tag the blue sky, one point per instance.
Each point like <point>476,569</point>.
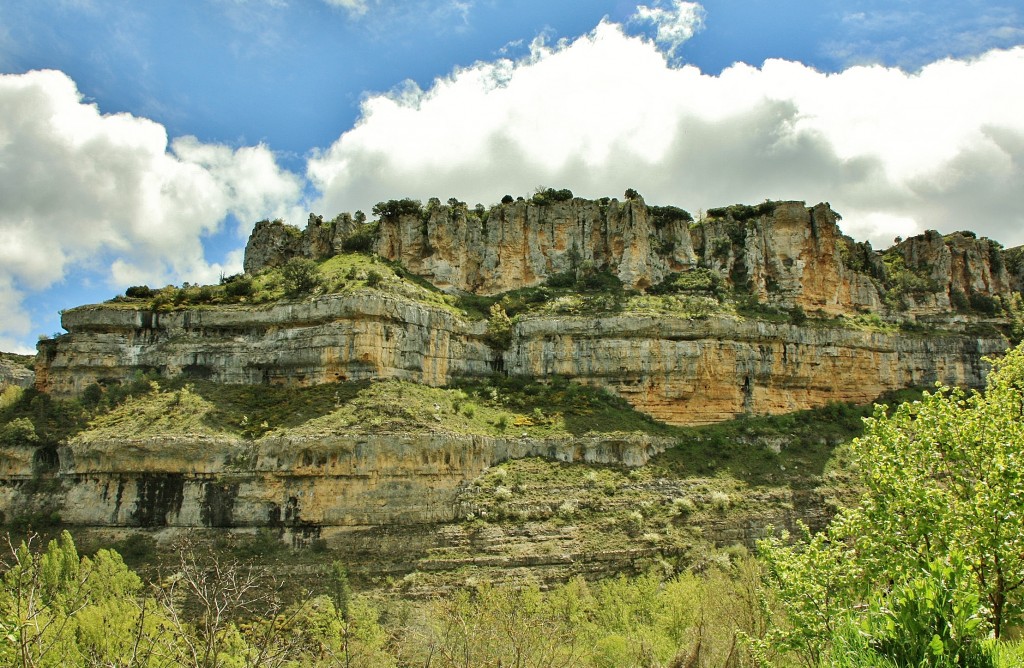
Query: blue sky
<point>139,142</point>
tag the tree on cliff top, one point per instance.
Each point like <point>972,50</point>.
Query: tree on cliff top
<point>300,276</point>
<point>941,521</point>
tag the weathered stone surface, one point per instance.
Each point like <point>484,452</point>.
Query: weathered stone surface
<point>701,371</point>
<point>787,254</point>
<point>326,339</point>
<point>522,243</point>
<point>15,374</point>
<point>957,263</point>
<point>326,481</point>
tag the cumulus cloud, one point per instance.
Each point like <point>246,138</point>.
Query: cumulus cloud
<point>108,192</point>
<point>894,152</point>
<point>674,24</point>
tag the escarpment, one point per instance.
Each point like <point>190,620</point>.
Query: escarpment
<point>727,333</point>
<point>745,311</point>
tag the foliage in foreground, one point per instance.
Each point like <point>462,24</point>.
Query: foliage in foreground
<point>58,608</point>
<point>930,564</point>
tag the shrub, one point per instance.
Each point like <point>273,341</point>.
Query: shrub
<point>720,501</point>
<point>238,286</point>
<point>398,207</point>
<point>499,329</point>
<point>547,196</point>
<point>18,432</point>
<point>507,199</point>
<point>683,506</point>
<point>664,215</point>
<point>139,292</point>
<point>958,299</point>
<point>299,276</point>
<point>374,278</point>
<point>362,240</point>
<point>985,304</point>
<point>741,212</point>
<point>694,280</point>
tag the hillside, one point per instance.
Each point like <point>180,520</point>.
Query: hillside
<point>555,384</point>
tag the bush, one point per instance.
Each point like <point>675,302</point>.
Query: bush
<point>507,199</point>
<point>238,286</point>
<point>374,278</point>
<point>398,207</point>
<point>665,215</point>
<point>985,304</point>
<point>299,276</point>
<point>741,212</point>
<point>550,196</point>
<point>139,292</point>
<point>362,240</point>
<point>694,280</point>
<point>958,299</point>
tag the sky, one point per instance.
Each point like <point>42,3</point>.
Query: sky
<point>140,141</point>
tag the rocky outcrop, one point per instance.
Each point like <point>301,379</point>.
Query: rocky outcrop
<point>299,484</point>
<point>15,374</point>
<point>331,338</point>
<point>950,270</point>
<point>677,369</point>
<point>684,371</point>
<point>789,255</point>
<point>783,253</point>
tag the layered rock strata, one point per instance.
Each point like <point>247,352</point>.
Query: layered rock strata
<point>680,370</point>
<point>785,253</point>
<point>15,374</point>
<point>330,338</point>
<point>296,484</point>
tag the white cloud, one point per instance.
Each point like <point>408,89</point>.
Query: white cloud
<point>674,24</point>
<point>77,186</point>
<point>894,152</point>
<point>353,7</point>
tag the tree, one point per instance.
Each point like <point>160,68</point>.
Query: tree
<point>300,276</point>
<point>943,513</point>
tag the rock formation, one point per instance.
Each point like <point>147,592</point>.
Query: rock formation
<point>785,253</point>
<point>764,309</point>
<point>15,374</point>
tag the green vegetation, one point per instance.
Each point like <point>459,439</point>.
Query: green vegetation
<point>299,276</point>
<point>902,280</point>
<point>698,280</point>
<point>662,216</point>
<point>27,361</point>
<point>930,563</point>
<point>60,608</point>
<point>743,212</point>
<point>544,196</point>
<point>398,207</point>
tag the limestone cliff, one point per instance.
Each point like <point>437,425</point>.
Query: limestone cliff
<point>683,370</point>
<point>752,310</point>
<point>784,253</point>
<point>326,339</point>
<point>14,374</point>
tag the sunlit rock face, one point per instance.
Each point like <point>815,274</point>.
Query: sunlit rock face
<point>681,369</point>
<point>800,316</point>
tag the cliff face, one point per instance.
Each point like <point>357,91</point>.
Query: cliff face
<point>784,253</point>
<point>702,371</point>
<point>303,485</point>
<point>14,374</point>
<point>760,271</point>
<point>680,370</point>
<point>327,339</point>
